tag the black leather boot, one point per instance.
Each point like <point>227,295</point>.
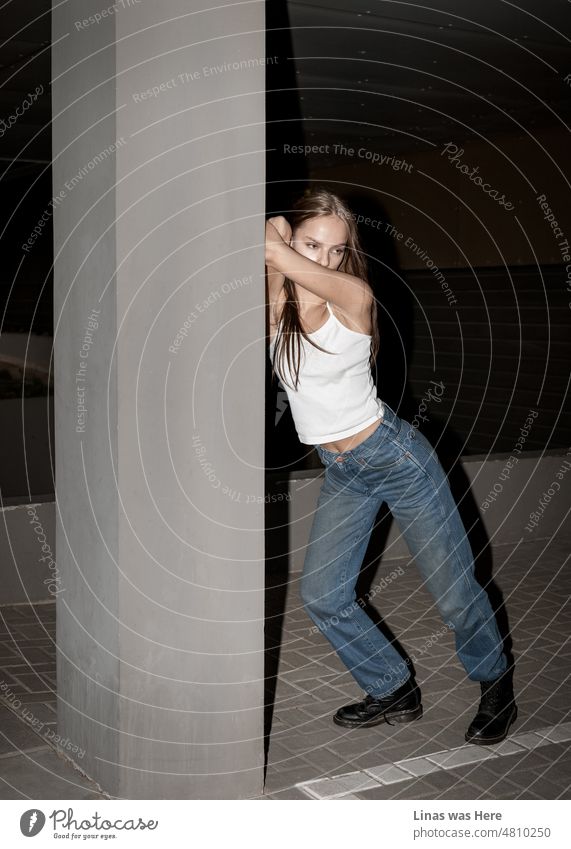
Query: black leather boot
<point>496,712</point>
<point>403,705</point>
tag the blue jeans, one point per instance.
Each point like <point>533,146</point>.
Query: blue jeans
<point>395,464</point>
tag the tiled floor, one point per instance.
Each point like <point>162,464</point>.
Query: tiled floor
<point>30,766</point>
<point>305,746</point>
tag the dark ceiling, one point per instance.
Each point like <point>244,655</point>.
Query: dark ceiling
<point>25,34</point>
<point>410,75</point>
<point>404,73</point>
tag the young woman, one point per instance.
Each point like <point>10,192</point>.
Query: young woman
<point>323,343</point>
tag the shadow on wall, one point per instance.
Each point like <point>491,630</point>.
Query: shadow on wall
<point>286,179</point>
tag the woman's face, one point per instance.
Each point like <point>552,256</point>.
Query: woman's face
<point>322,239</point>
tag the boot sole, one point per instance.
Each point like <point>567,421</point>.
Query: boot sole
<point>395,716</point>
<point>489,741</point>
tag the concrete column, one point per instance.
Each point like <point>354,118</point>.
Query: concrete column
<point>158,207</point>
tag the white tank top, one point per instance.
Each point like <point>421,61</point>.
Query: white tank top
<point>336,396</point>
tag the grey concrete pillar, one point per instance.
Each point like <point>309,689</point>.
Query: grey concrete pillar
<point>158,207</point>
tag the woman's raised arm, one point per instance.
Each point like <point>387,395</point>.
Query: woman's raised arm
<point>276,278</point>
<point>346,291</point>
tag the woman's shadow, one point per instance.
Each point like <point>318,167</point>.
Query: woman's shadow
<point>395,313</point>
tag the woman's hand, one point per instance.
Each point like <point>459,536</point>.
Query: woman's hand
<point>278,233</point>
<point>283,227</point>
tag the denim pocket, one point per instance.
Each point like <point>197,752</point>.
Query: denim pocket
<point>382,459</point>
<point>383,449</point>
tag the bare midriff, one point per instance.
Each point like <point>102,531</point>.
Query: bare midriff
<point>352,441</point>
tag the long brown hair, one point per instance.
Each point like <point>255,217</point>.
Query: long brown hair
<point>315,203</point>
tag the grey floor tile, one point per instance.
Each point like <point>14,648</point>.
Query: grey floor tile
<point>301,744</point>
<point>290,793</point>
<point>492,784</point>
<point>550,789</point>
<point>33,683</point>
<point>327,761</point>
<point>388,774</point>
<point>458,757</point>
<point>340,785</point>
<point>308,672</point>
<point>529,739</point>
<point>281,756</point>
<point>359,753</point>
<point>417,766</point>
<point>305,738</point>
<point>280,779</point>
<point>445,780</point>
<point>33,654</point>
<point>15,734</point>
<point>559,734</point>
<point>527,780</point>
<point>415,789</point>
<point>44,775</point>
<point>364,760</point>
<point>45,697</point>
<point>9,792</point>
<point>382,792</point>
<point>462,791</point>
